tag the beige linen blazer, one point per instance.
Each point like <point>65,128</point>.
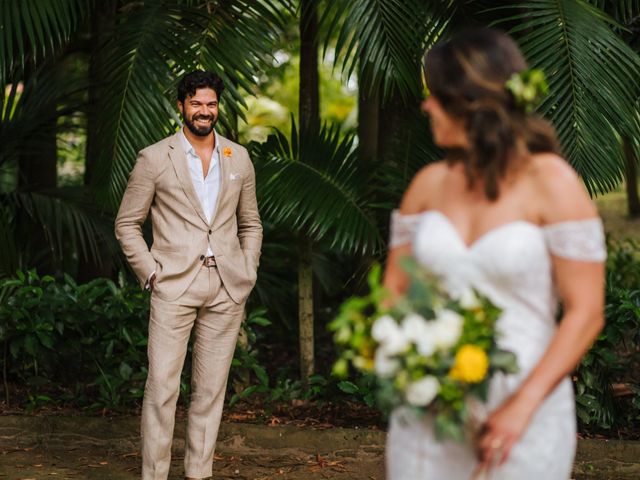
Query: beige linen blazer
<point>161,184</point>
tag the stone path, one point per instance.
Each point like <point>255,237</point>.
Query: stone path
<point>102,448</point>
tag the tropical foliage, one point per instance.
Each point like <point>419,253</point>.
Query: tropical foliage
<point>105,72</point>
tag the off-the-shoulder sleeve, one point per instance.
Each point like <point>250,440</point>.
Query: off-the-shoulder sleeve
<point>581,240</point>
<point>402,228</point>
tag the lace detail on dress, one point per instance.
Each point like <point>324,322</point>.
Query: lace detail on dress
<point>402,228</point>
<point>581,240</point>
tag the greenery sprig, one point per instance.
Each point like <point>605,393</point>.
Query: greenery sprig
<point>528,88</point>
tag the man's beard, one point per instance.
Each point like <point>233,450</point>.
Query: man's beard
<point>200,131</point>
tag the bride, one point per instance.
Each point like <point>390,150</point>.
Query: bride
<point>503,213</point>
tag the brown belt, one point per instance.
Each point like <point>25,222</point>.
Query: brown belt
<point>209,261</point>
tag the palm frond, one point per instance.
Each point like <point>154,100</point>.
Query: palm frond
<point>135,107</point>
<point>624,11</point>
<point>315,185</point>
<point>68,219</point>
<point>277,277</point>
<point>234,39</point>
<point>593,79</point>
<point>392,180</point>
<point>385,37</point>
<point>30,30</point>
<point>154,45</point>
<point>30,106</point>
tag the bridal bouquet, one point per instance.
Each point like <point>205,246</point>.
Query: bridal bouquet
<point>429,351</point>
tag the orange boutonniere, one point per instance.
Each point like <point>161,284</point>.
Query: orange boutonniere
<point>227,152</point>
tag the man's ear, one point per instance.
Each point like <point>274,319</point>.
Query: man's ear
<point>180,107</point>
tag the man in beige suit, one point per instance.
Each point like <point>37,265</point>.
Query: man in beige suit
<point>200,190</point>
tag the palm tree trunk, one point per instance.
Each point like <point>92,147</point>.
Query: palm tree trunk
<point>631,176</point>
<point>309,105</point>
<point>102,25</point>
<point>305,309</point>
<point>37,171</point>
<point>309,119</point>
<point>368,118</point>
<point>5,359</point>
<point>393,140</point>
<point>37,167</point>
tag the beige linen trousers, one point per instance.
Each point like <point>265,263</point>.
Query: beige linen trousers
<point>188,295</point>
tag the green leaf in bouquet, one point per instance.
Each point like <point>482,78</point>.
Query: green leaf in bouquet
<point>504,361</point>
<point>476,332</point>
<point>341,368</point>
<point>451,393</point>
<point>343,335</point>
<point>374,279</point>
<point>388,397</point>
<point>410,266</point>
<point>363,363</point>
<point>402,380</point>
<point>447,427</point>
<point>481,390</point>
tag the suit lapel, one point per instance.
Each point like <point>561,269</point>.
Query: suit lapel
<point>179,160</point>
<point>224,157</point>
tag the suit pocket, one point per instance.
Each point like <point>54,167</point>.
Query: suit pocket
<point>251,267</point>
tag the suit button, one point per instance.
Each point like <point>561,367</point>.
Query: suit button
<point>209,232</point>
<point>201,257</point>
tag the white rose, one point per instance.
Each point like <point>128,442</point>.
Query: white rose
<point>422,392</point>
<point>382,326</point>
<point>419,331</point>
<point>387,332</point>
<point>414,327</point>
<point>385,365</point>
<point>468,299</point>
<point>447,329</point>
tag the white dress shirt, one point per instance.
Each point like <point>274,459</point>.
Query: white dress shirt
<point>207,188</point>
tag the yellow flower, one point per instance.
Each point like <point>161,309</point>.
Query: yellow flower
<point>227,152</point>
<point>471,364</point>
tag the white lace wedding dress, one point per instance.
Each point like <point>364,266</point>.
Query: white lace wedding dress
<point>511,265</point>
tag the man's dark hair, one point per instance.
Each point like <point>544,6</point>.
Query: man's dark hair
<point>199,79</point>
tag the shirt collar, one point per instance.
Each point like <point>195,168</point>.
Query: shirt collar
<point>188,148</point>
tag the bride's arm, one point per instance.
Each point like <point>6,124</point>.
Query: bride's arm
<point>402,225</point>
<point>580,284</point>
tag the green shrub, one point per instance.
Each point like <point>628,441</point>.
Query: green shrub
<point>616,353</point>
<point>85,344</point>
<point>88,337</point>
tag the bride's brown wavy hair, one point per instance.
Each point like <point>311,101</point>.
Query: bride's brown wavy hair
<point>467,74</point>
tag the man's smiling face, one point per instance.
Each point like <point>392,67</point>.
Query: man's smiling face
<point>200,111</point>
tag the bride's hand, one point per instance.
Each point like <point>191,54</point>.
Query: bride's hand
<point>502,430</point>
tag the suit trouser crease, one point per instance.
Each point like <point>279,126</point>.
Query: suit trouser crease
<point>215,319</point>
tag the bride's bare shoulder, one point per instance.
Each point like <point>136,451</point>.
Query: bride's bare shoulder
<point>426,184</point>
<point>559,190</point>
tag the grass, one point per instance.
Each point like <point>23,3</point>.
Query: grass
<point>617,223</point>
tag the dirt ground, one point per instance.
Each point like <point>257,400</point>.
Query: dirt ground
<point>92,449</point>
<point>35,448</point>
<point>41,463</point>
